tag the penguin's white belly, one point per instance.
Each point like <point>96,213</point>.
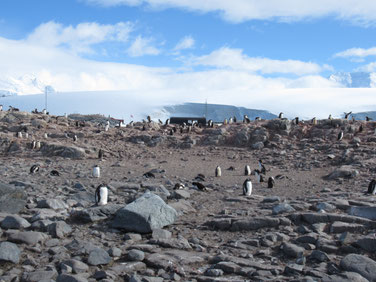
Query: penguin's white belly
<point>248,189</point>
<point>103,193</point>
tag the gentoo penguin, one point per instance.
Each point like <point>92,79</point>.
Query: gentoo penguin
<point>247,187</point>
<point>37,145</point>
<point>257,118</point>
<point>230,120</point>
<point>218,171</point>
<point>149,119</point>
<point>235,120</point>
<point>199,186</point>
<point>340,136</point>
<point>297,120</point>
<point>347,115</point>
<point>34,169</point>
<point>167,121</point>
<point>368,118</point>
<point>280,115</point>
<point>33,144</point>
<point>171,132</point>
<point>179,186</point>
<point>271,182</point>
<point>314,121</point>
<point>361,128</point>
<point>100,154</point>
<point>1,108</point>
<point>143,128</point>
<point>19,134</point>
<point>160,122</point>
<point>372,187</point>
<point>247,170</point>
<point>210,123</point>
<point>231,168</point>
<point>75,138</point>
<point>246,119</point>
<point>225,121</point>
<point>54,173</point>
<point>262,167</point>
<point>27,135</point>
<point>330,117</point>
<point>46,135</point>
<point>101,195</point>
<point>96,171</point>
<point>258,175</point>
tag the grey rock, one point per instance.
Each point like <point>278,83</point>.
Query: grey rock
<point>182,194</point>
<point>228,267</point>
<point>145,214</point>
<point>12,200</point>
<point>80,247</point>
<point>136,255</point>
<point>319,256</point>
<point>254,223</point>
<point>325,206</point>
<point>59,150</point>
<point>367,244</point>
<point>94,214</point>
<point>293,269</point>
<point>9,252</point>
<point>174,243</point>
<point>345,277</point>
<point>214,272</point>
<point>282,208</point>
<point>14,222</point>
<point>54,204</point>
<point>76,265</point>
<point>365,212</point>
<point>40,275</point>
<point>161,234</point>
<point>98,257</point>
<point>115,252</point>
<point>59,229</point>
<point>271,199</point>
<point>292,250</point>
<point>71,278</point>
<point>360,264</point>
<point>30,238</point>
<point>340,227</point>
<point>257,146</point>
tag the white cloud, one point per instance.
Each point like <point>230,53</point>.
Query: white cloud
<point>235,59</point>
<point>186,42</point>
<point>359,11</point>
<point>371,67</point>
<point>80,38</point>
<point>357,52</point>
<point>142,46</point>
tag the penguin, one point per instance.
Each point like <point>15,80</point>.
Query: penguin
<point>27,135</point>
<point>259,177</point>
<point>372,187</point>
<point>247,170</point>
<point>33,145</point>
<point>340,136</point>
<point>100,154</point>
<point>199,186</point>
<point>361,128</point>
<point>210,123</point>
<point>167,121</point>
<point>200,177</point>
<point>235,120</point>
<point>46,135</point>
<point>34,169</point>
<point>280,115</point>
<point>218,171</point>
<point>230,120</point>
<point>143,128</point>
<point>37,145</point>
<point>347,114</point>
<point>101,195</point>
<point>149,119</point>
<point>171,132</point>
<point>1,108</point>
<point>231,168</point>
<point>160,122</point>
<point>189,128</point>
<point>297,120</point>
<point>179,186</point>
<point>314,121</point>
<point>368,119</point>
<point>271,182</point>
<point>262,167</point>
<point>54,173</point>
<point>257,118</point>
<point>96,171</point>
<point>225,121</point>
<point>330,117</point>
<point>247,187</point>
<point>75,138</point>
<point>246,119</point>
<point>19,134</point>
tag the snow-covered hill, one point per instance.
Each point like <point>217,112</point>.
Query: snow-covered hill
<point>26,84</point>
<point>355,79</point>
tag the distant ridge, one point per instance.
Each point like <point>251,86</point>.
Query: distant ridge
<point>216,112</point>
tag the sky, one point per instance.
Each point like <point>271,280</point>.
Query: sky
<point>244,48</point>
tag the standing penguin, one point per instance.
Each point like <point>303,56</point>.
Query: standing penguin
<point>33,145</point>
<point>314,121</point>
<point>247,170</point>
<point>34,169</point>
<point>100,154</point>
<point>247,187</point>
<point>262,167</point>
<point>340,136</point>
<point>37,145</point>
<point>218,171</point>
<point>101,195</point>
<point>75,138</point>
<point>372,187</point>
<point>96,171</point>
<point>271,182</point>
<point>280,115</point>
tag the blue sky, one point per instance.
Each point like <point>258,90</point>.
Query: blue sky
<point>213,45</point>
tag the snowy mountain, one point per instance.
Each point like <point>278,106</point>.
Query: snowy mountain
<point>355,79</point>
<point>26,84</point>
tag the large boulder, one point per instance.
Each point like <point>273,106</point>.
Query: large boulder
<point>12,200</point>
<point>73,152</point>
<point>343,172</point>
<point>360,264</point>
<point>145,214</point>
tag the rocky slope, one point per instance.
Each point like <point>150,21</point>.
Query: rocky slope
<point>315,224</point>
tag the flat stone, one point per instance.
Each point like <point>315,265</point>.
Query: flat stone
<point>98,257</point>
<point>360,264</point>
<point>161,234</point>
<point>135,255</point>
<point>59,229</point>
<point>345,277</point>
<point>41,275</point>
<point>9,252</point>
<point>14,222</point>
<point>182,194</point>
<point>54,204</point>
<point>340,227</point>
<point>12,200</point>
<point>94,214</point>
<point>367,244</point>
<point>254,223</point>
<point>319,256</point>
<point>71,278</point>
<point>366,212</point>
<point>30,238</point>
<point>282,208</point>
<point>76,265</point>
<point>292,250</point>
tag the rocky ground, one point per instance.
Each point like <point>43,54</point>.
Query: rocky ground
<point>316,224</point>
